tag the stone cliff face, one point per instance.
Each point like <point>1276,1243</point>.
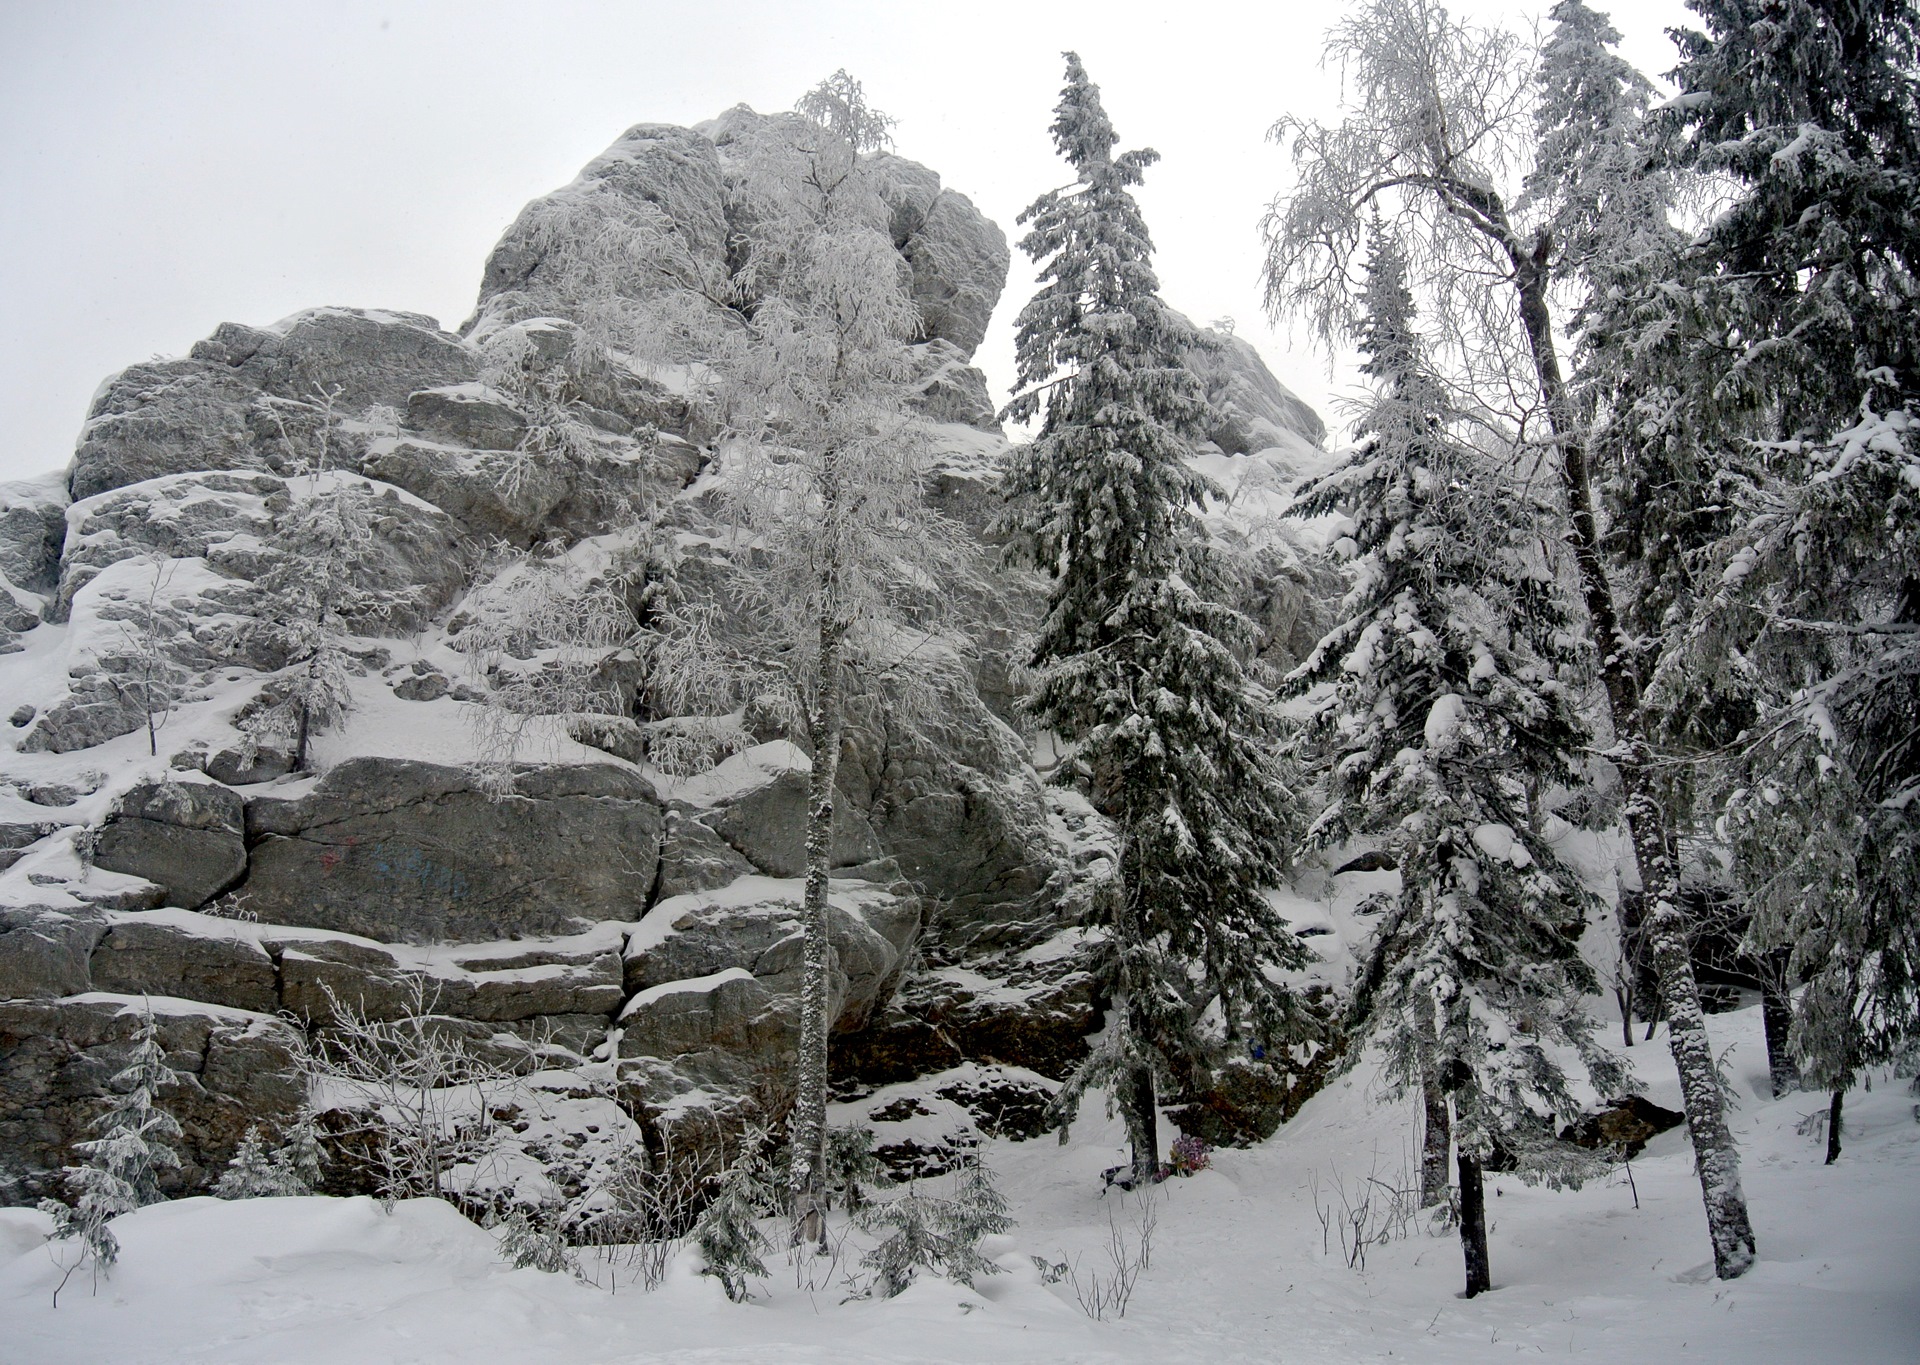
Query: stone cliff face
<point>586,899</point>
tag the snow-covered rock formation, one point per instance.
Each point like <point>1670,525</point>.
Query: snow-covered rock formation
<point>157,843</point>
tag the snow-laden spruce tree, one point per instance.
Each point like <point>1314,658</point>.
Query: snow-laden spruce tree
<point>841,565</point>
<point>1138,663</point>
<point>310,597</point>
<point>1445,707</point>
<point>1779,350</point>
<point>1439,133</point>
<point>122,1169</point>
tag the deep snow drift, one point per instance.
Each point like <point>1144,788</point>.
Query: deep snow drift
<point>1238,1272</point>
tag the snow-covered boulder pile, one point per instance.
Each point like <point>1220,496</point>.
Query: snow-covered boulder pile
<point>572,894</point>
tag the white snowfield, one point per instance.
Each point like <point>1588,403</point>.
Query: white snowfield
<point>1237,1274</point>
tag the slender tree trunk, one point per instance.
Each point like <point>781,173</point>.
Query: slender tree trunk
<point>1142,1112</point>
<point>1715,1156</point>
<point>1436,1145</point>
<point>1834,1123</point>
<point>1776,1016</point>
<point>1473,1225</point>
<point>807,1174</point>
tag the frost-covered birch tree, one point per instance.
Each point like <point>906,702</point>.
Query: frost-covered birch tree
<point>1439,137</point>
<point>841,564</point>
<point>1138,662</point>
<point>1446,706</point>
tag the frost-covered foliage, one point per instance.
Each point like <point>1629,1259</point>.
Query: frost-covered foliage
<point>936,1234</point>
<point>851,1167</point>
<point>1445,707</point>
<point>1822,817</point>
<point>549,635</point>
<point>311,598</point>
<point>530,1243</point>
<point>823,472</point>
<point>1776,358</point>
<point>123,1165</point>
<point>293,1168</point>
<point>1438,135</point>
<point>1138,664</point>
<point>729,1235</point>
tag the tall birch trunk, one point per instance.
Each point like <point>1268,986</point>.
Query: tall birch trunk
<point>1664,923</point>
<point>806,1171</point>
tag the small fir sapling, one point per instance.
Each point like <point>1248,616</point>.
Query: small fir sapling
<point>851,1167</point>
<point>123,1164</point>
<point>728,1233</point>
<point>530,1244</point>
<point>256,1173</point>
<point>941,1235</point>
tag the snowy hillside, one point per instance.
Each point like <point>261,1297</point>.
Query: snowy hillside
<point>1238,1271</point>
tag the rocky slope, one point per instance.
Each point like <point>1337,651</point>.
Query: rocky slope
<point>156,854</point>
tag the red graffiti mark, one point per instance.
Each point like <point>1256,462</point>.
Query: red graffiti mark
<point>330,859</point>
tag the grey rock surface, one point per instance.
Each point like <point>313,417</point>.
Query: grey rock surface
<point>138,956</point>
<point>33,523</point>
<point>717,980</point>
<point>1252,409</point>
<point>44,951</point>
<point>57,1058</point>
<point>185,837</point>
<point>402,851</point>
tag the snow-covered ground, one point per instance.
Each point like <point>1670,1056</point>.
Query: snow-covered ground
<point>1237,1274</point>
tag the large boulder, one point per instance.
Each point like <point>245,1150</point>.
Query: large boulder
<point>262,398</point>
<point>44,950</point>
<point>412,567</point>
<point>1251,410</point>
<point>185,837</point>
<point>763,815</point>
<point>684,180</point>
<point>401,851</point>
<point>57,1063</point>
<point>957,256</point>
<point>668,174</point>
<point>33,523</point>
<point>716,977</point>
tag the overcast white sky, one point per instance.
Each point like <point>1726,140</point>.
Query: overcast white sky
<point>168,166</point>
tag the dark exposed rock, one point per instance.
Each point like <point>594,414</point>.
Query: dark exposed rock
<point>17,836</point>
<point>1625,1125</point>
<point>1031,1015</point>
<point>767,823</point>
<point>694,858</point>
<point>248,398</point>
<point>1251,410</point>
<point>44,951</point>
<point>414,852</point>
<point>33,525</point>
<point>185,837</point>
<point>717,980</point>
<point>138,956</point>
<point>58,1057</point>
